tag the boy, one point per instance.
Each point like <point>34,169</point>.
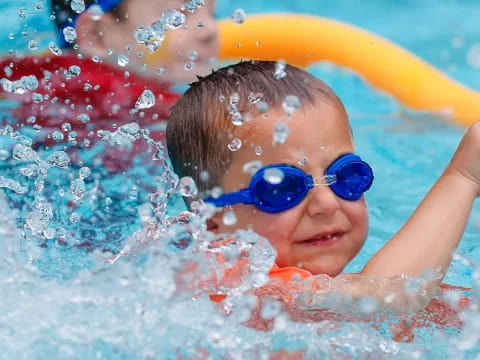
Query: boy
<point>316,224</point>
<point>95,80</point>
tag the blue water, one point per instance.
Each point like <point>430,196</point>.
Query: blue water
<point>66,302</point>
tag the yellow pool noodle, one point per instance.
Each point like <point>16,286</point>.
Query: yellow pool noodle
<point>303,40</point>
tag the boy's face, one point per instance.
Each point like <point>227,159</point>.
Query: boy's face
<point>176,50</point>
<point>319,133</point>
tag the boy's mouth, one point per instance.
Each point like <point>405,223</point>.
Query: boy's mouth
<point>324,239</point>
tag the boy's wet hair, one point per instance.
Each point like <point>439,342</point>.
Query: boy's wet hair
<point>200,124</point>
<point>63,11</point>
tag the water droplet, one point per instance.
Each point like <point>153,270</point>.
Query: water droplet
<point>4,154</point>
<point>252,167</point>
<point>229,218</point>
<point>254,98</point>
<point>189,65</point>
<point>37,98</point>
<point>122,60</point>
<point>258,150</point>
<point>70,34</point>
<point>96,59</point>
<point>146,100</point>
<point>55,49</point>
<point>33,45</point>
<point>78,189</point>
<point>235,145</point>
<point>22,12</point>
<point>187,187</point>
<point>74,218</point>
<point>273,176</point>
<point>74,70</point>
<point>290,104</point>
<point>173,19</point>
<point>11,36</point>
<point>22,152</point>
<point>204,176</point>
<point>303,161</point>
<point>234,99</point>
<point>57,136</point>
<point>280,133</point>
<point>237,119</point>
<point>78,6</point>
<point>238,16</point>
<point>262,106</point>
<point>280,70</point>
<point>59,159</point>
<point>221,98</point>
<point>87,87</point>
<point>160,71</point>
<point>95,12</point>
<point>84,172</point>
<point>49,233</point>
<point>193,55</point>
<point>473,56</point>
<point>84,118</point>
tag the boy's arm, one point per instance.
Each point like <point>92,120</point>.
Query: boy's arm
<point>432,233</point>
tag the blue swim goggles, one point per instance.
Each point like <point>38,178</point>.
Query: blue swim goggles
<point>348,177</point>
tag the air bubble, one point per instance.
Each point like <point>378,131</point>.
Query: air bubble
<point>235,145</point>
<point>273,176</point>
<point>189,65</point>
<point>258,150</point>
<point>238,16</point>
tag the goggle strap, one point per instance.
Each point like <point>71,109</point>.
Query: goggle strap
<point>243,196</point>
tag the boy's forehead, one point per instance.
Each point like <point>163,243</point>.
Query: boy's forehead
<point>313,131</point>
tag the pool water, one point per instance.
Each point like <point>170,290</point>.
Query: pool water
<point>63,299</point>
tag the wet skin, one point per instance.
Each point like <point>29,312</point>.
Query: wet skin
<point>324,232</point>
<point>95,37</point>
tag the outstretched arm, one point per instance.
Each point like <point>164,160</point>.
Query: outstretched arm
<point>432,233</point>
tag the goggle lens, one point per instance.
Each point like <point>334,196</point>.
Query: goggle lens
<point>286,194</point>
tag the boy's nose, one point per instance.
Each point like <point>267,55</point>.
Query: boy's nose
<point>321,200</point>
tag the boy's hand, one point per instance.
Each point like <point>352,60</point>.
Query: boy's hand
<point>466,161</point>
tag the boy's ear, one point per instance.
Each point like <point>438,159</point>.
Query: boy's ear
<point>94,36</point>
